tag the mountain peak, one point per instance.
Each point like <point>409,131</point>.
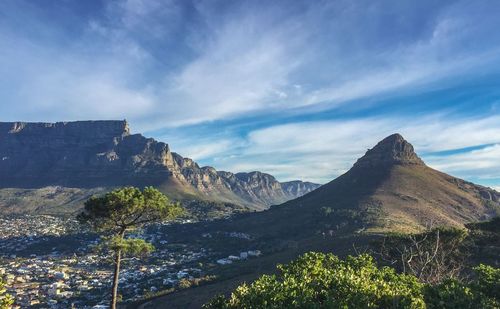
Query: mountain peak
<point>392,150</point>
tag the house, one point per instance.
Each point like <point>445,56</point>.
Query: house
<point>254,253</point>
<point>224,261</point>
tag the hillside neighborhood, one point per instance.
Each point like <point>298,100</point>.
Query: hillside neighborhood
<point>41,276</point>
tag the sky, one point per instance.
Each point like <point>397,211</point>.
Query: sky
<point>297,89</point>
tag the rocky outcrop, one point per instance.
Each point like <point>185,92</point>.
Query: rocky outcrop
<point>90,154</point>
<point>257,186</point>
<point>392,150</point>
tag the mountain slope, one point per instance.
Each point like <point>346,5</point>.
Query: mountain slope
<point>391,188</point>
<point>95,156</point>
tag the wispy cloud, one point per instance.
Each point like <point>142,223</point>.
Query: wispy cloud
<point>241,69</point>
<point>171,63</point>
<point>482,163</point>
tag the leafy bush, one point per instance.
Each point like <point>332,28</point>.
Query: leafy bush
<point>317,280</point>
<point>488,281</point>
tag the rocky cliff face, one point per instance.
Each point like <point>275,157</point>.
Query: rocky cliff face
<point>79,154</point>
<point>89,154</point>
<point>393,149</point>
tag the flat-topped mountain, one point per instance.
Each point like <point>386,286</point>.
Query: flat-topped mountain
<point>388,189</point>
<point>79,154</point>
<point>104,154</point>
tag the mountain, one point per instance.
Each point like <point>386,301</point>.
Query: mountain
<point>389,189</point>
<point>298,188</point>
<point>61,164</point>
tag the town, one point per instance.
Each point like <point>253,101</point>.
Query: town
<point>52,262</point>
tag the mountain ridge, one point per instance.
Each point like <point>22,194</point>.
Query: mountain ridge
<point>104,154</point>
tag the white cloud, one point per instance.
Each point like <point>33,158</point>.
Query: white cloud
<point>481,163</point>
<point>65,87</point>
<point>241,69</point>
<point>200,150</point>
<point>252,65</point>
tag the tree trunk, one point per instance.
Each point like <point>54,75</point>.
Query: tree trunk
<point>118,258</point>
<point>115,279</point>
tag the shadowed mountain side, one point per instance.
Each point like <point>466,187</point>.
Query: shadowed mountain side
<point>83,157</point>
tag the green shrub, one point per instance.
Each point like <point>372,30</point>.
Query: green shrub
<point>488,281</point>
<point>450,294</point>
<point>317,280</point>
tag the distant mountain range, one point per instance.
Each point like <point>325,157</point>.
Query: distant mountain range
<point>388,189</point>
<point>56,166</point>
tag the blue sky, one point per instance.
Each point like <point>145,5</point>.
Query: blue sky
<point>298,89</point>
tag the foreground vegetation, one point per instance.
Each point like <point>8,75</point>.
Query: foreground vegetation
<point>432,269</point>
<point>318,280</point>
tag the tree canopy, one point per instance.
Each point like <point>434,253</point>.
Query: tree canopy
<point>128,208</point>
